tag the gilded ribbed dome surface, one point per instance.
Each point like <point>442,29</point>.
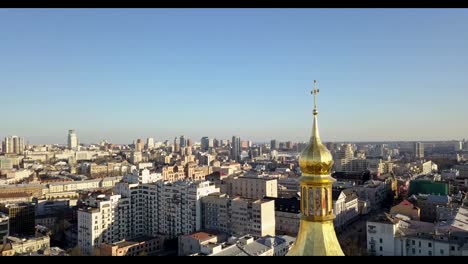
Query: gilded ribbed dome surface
<point>315,159</point>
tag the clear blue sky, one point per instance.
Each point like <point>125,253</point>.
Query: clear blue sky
<point>121,74</point>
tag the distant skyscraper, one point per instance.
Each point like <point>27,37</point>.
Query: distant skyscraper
<point>419,150</point>
<point>215,143</point>
<point>13,145</point>
<point>176,145</point>
<point>139,145</point>
<point>346,152</point>
<point>72,140</point>
<point>205,141</point>
<point>244,144</point>
<point>236,148</point>
<point>189,142</point>
<point>183,143</point>
<point>150,143</point>
<point>273,144</point>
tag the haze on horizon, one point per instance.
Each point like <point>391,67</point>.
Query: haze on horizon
<point>123,74</point>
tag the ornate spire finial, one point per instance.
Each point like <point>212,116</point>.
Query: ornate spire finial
<point>315,92</point>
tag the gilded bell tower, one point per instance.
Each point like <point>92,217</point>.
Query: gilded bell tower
<point>316,235</point>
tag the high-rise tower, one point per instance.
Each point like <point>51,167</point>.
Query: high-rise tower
<point>418,150</point>
<point>316,235</point>
<point>72,139</point>
<point>236,148</point>
<point>13,144</point>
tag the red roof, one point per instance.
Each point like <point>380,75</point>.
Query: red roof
<point>201,236</point>
<point>406,203</point>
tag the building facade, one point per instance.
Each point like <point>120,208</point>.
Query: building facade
<point>251,187</point>
<point>13,145</point>
<point>21,218</point>
<point>72,140</point>
<point>238,216</point>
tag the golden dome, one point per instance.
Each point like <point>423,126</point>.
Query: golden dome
<point>316,236</point>
<point>315,159</point>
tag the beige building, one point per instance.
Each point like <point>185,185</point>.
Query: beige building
<point>193,243</point>
<point>227,169</point>
<point>71,186</point>
<point>406,208</point>
<point>15,197</point>
<point>35,190</point>
<point>16,246</point>
<point>135,247</point>
<point>287,215</point>
<point>195,172</point>
<point>251,187</point>
<point>238,216</point>
<point>173,173</point>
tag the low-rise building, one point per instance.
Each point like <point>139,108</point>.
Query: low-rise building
<point>193,243</point>
<point>429,203</point>
<point>408,209</point>
<point>374,192</point>
<point>25,246</point>
<point>244,246</point>
<point>398,235</point>
<point>140,246</point>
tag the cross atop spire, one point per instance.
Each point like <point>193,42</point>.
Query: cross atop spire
<point>315,92</point>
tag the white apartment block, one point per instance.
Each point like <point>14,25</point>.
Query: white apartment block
<point>166,208</point>
<point>239,216</point>
<point>159,208</point>
<point>105,219</point>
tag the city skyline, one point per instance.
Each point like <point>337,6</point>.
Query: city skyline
<point>384,75</point>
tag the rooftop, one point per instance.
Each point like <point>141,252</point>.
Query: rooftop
<point>132,242</point>
<point>238,249</point>
<point>288,205</point>
<point>14,195</point>
<point>202,236</point>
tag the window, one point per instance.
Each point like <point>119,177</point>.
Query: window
<point>413,242</point>
<point>419,243</point>
<point>442,252</point>
<point>413,251</point>
<point>381,248</point>
<point>429,244</point>
<point>430,253</point>
<point>452,248</point>
<point>381,241</point>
